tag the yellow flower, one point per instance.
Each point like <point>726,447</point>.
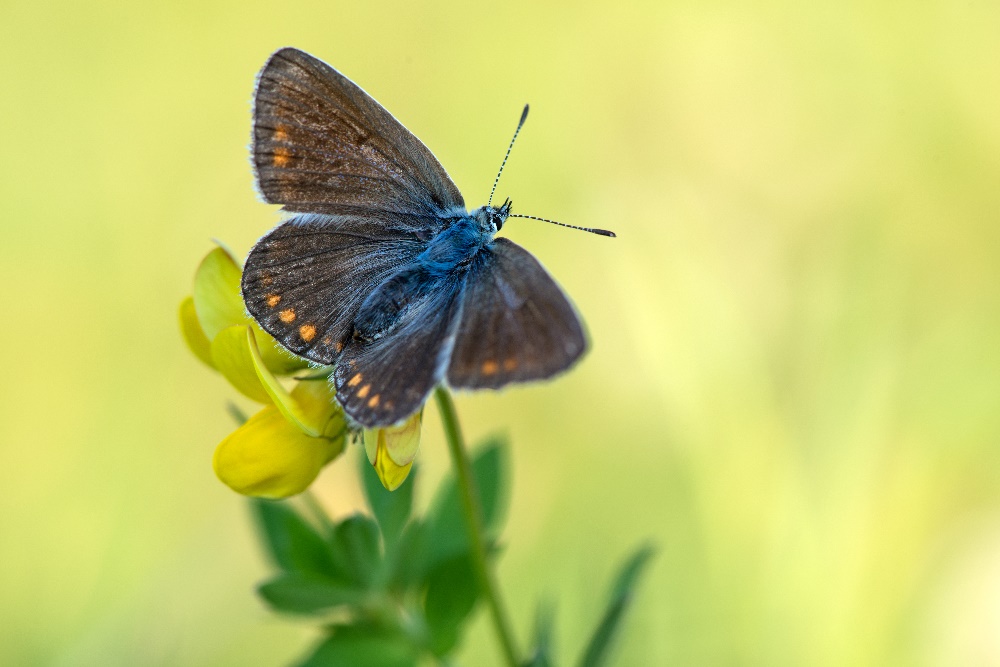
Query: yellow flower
<point>280,450</point>
<point>392,450</point>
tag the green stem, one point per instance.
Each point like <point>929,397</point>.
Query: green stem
<point>474,524</point>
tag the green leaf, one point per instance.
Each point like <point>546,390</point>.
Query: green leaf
<point>491,470</point>
<point>356,550</point>
<point>544,625</point>
<point>406,563</point>
<point>598,649</point>
<point>216,294</point>
<point>391,508</point>
<point>193,334</point>
<point>291,541</point>
<point>307,593</point>
<point>452,592</point>
<point>364,646</point>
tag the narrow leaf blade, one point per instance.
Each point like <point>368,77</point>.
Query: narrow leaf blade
<point>598,650</point>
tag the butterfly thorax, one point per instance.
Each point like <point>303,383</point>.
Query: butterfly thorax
<point>449,254</point>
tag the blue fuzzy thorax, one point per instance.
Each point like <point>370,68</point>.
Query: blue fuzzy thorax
<point>450,252</point>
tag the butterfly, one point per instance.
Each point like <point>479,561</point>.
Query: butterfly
<point>381,271</point>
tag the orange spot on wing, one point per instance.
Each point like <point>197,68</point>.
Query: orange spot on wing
<point>354,381</point>
<point>281,133</point>
<point>338,346</point>
<point>282,156</point>
<point>490,367</point>
<point>287,315</point>
<point>509,364</point>
<point>273,299</point>
<point>266,279</point>
<point>364,391</point>
<point>373,401</point>
<point>307,332</point>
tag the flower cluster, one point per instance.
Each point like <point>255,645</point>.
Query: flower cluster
<point>280,450</point>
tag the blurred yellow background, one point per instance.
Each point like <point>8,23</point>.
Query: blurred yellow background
<point>794,382</point>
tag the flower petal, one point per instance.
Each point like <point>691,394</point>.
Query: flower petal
<point>403,441</point>
<point>193,334</point>
<point>311,422</point>
<point>277,359</point>
<point>317,400</point>
<point>231,354</point>
<point>269,457</point>
<point>216,294</point>
<point>391,450</point>
<point>370,438</point>
<point>392,475</point>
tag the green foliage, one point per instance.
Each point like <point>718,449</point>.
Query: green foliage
<point>391,508</point>
<point>447,536</point>
<point>452,591</point>
<point>597,651</point>
<point>307,593</point>
<point>364,645</point>
<point>405,585</point>
<point>356,550</point>
<point>403,588</point>
<point>544,627</point>
<point>293,544</point>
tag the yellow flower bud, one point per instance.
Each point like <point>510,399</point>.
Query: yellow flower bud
<point>392,450</point>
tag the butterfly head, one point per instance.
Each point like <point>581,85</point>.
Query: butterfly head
<point>491,218</point>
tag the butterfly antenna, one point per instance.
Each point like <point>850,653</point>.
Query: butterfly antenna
<point>601,232</point>
<point>524,116</point>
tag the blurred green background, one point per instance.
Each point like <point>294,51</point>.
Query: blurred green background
<point>794,382</point>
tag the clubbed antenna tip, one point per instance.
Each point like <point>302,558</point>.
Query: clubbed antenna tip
<point>592,230</point>
<point>524,116</point>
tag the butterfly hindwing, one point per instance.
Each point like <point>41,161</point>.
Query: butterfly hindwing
<point>381,382</point>
<point>321,144</point>
<point>516,324</point>
<point>305,281</point>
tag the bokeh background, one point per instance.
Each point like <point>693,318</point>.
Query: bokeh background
<point>794,385</point>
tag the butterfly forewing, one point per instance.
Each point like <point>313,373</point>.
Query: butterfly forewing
<point>516,323</point>
<point>306,279</point>
<point>382,382</point>
<point>321,144</point>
